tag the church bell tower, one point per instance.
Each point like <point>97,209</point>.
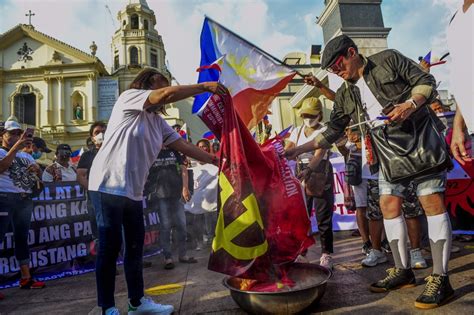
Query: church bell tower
<point>136,44</point>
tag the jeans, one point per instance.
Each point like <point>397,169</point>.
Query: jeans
<point>324,211</point>
<point>171,214</point>
<point>16,209</point>
<point>210,222</point>
<point>195,226</point>
<point>118,218</point>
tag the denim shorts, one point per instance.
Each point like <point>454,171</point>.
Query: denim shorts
<point>425,185</point>
<point>411,207</point>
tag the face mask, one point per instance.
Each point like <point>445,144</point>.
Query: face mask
<point>99,138</point>
<point>36,155</point>
<point>311,122</point>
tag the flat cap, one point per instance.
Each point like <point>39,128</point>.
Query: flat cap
<point>334,48</point>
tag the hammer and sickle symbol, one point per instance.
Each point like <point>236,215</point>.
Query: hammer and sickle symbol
<point>225,235</point>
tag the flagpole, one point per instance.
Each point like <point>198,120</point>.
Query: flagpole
<point>258,48</point>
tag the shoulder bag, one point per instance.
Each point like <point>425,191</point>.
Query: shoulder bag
<point>410,149</point>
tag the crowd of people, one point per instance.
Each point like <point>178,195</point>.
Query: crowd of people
<point>119,210</point>
<point>384,101</point>
<point>388,96</point>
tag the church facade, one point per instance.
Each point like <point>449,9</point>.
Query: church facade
<point>48,84</point>
<point>57,89</point>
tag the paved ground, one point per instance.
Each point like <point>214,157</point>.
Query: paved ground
<point>203,292</point>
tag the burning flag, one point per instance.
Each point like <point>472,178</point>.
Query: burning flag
<point>262,221</point>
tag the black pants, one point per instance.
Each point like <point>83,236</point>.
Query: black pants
<point>324,210</point>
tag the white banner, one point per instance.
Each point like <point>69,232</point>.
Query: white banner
<point>108,93</point>
<point>343,219</point>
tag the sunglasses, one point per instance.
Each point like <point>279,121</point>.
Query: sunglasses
<point>336,66</point>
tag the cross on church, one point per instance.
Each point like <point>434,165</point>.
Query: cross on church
<point>29,15</point>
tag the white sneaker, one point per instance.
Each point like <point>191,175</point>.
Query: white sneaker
<point>112,311</point>
<point>416,259</point>
<point>149,306</point>
<point>326,261</point>
<point>374,258</point>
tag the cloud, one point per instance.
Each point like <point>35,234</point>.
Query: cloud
<point>279,27</point>
<point>422,30</point>
<point>249,19</point>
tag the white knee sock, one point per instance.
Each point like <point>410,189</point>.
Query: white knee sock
<point>396,231</point>
<point>439,231</point>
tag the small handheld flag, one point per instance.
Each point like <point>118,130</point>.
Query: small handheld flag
<point>209,135</point>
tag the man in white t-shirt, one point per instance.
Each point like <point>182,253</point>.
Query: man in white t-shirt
<point>60,170</point>
<point>461,49</point>
<point>134,137</point>
<point>311,112</point>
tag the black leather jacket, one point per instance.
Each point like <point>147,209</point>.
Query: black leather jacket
<point>392,78</point>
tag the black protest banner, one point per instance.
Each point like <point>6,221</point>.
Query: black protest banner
<point>60,237</point>
<point>63,236</point>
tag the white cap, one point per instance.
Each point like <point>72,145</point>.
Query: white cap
<point>12,124</point>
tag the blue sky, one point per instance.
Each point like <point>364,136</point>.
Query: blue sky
<point>277,26</point>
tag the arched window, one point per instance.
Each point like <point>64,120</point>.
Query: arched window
<point>133,56</point>
<point>25,106</point>
<point>145,24</point>
<point>134,22</point>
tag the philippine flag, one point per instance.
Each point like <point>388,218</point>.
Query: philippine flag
<point>183,132</point>
<point>209,135</point>
<point>76,156</point>
<point>253,77</point>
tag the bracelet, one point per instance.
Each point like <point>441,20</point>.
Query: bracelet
<point>412,102</point>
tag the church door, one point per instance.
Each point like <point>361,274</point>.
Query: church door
<point>25,108</point>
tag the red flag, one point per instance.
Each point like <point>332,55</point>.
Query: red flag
<point>262,216</point>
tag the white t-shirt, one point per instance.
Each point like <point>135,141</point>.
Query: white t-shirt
<point>374,109</point>
<point>68,174</point>
<point>16,179</point>
<point>461,49</point>
<point>133,139</point>
<point>370,103</point>
<point>305,157</point>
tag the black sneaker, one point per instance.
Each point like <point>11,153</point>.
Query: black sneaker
<point>386,246</point>
<point>396,279</point>
<point>366,247</point>
<point>437,292</point>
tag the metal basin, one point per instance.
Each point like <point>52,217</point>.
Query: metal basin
<point>310,286</point>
